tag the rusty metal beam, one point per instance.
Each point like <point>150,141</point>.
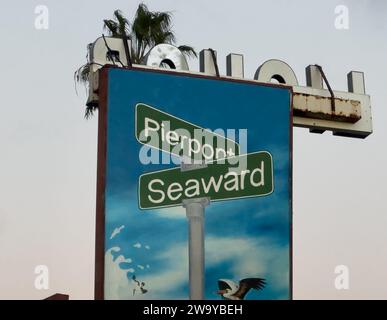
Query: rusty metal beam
<point>319,107</point>
<point>312,110</point>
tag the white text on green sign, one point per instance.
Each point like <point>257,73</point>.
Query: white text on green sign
<point>219,180</point>
<point>165,132</point>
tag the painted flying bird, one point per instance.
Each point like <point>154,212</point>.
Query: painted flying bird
<point>116,231</point>
<point>230,290</point>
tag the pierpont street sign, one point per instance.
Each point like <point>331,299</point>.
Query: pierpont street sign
<point>249,175</point>
<point>165,132</point>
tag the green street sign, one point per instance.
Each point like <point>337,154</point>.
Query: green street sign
<point>168,133</point>
<point>248,175</point>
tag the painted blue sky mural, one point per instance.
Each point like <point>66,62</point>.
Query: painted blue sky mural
<point>146,251</point>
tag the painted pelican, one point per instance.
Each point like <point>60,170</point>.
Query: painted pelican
<point>230,290</point>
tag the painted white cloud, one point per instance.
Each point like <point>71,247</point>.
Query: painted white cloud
<point>140,267</point>
<point>147,247</point>
<point>120,258</point>
<point>164,283</point>
<point>171,213</point>
<point>116,231</point>
<point>117,285</point>
<point>159,285</point>
<point>137,245</point>
<point>127,260</point>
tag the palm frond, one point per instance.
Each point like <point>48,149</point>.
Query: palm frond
<point>122,24</point>
<point>81,75</point>
<point>160,28</point>
<point>112,27</point>
<point>162,20</point>
<point>188,51</point>
<point>89,112</point>
<point>151,28</point>
<point>142,22</point>
<point>164,37</point>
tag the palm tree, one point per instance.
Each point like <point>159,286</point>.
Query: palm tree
<point>145,31</point>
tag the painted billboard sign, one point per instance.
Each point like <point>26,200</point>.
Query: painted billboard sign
<point>235,137</point>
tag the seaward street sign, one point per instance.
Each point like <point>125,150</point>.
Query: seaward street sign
<point>243,176</point>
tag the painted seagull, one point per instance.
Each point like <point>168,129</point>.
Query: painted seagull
<point>116,231</point>
<point>230,290</point>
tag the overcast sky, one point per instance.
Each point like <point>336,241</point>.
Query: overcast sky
<point>48,151</point>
